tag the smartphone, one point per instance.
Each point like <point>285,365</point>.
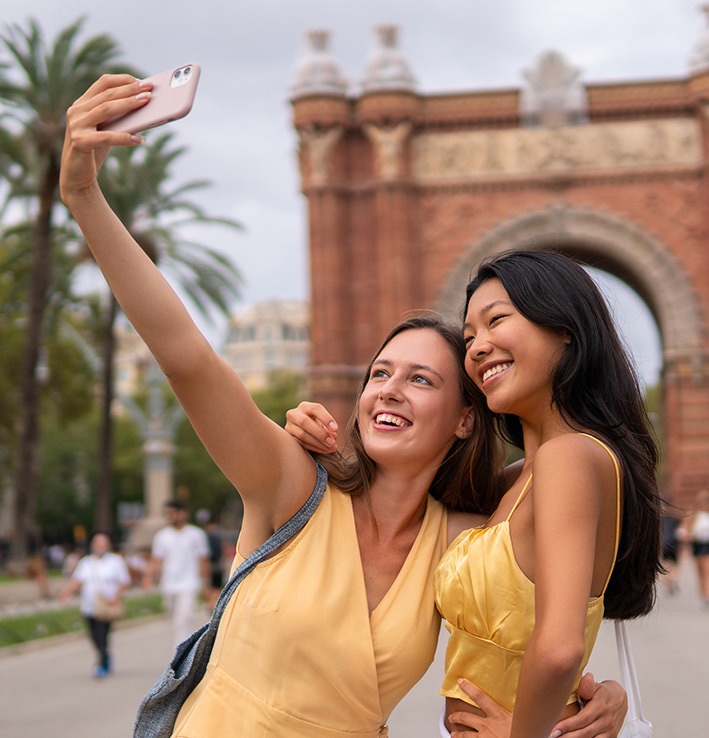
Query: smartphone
<point>171,98</point>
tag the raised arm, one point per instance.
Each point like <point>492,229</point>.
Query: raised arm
<point>269,469</point>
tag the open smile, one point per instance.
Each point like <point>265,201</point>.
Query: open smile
<point>495,371</point>
<point>390,420</point>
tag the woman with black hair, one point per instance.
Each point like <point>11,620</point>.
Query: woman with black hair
<point>577,535</point>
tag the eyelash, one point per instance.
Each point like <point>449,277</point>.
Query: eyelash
<point>420,376</point>
<point>469,339</point>
<point>379,373</point>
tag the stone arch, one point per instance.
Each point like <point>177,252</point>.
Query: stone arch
<point>606,241</point>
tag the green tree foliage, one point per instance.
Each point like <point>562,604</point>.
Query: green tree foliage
<point>39,80</point>
<point>37,85</point>
<point>69,471</point>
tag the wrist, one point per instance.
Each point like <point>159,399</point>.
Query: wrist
<point>78,199</point>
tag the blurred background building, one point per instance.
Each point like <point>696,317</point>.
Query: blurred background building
<point>268,337</point>
<point>407,191</point>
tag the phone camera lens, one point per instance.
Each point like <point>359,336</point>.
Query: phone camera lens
<point>177,73</point>
<point>188,71</point>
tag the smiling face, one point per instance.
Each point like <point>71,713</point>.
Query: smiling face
<point>411,409</point>
<point>510,358</point>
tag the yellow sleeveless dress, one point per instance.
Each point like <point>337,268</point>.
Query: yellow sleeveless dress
<point>297,653</point>
<point>488,605</point>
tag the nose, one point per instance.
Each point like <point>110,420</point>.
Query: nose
<point>479,347</point>
<point>391,389</point>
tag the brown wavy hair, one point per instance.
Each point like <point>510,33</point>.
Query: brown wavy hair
<point>469,477</point>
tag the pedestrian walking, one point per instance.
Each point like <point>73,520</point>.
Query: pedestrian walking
<point>101,577</point>
<point>180,563</point>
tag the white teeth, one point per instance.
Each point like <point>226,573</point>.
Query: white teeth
<point>391,420</point>
<point>496,370</point>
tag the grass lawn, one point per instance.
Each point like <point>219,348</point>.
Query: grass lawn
<point>14,630</point>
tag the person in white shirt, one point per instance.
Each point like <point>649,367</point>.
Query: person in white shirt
<point>101,572</point>
<point>180,560</point>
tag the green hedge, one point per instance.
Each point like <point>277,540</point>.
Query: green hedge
<point>23,628</point>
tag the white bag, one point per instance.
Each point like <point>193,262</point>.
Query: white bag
<point>635,725</point>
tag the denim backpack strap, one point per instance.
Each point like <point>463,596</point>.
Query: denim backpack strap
<point>160,706</point>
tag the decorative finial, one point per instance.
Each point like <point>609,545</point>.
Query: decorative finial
<point>317,71</point>
<point>699,58</point>
<point>387,69</point>
<point>554,95</point>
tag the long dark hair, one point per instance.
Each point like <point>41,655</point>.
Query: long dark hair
<point>595,388</point>
<point>469,477</point>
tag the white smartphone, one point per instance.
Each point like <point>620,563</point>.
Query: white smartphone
<point>171,98</point>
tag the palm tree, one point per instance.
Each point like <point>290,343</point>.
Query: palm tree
<point>36,89</point>
<point>136,184</point>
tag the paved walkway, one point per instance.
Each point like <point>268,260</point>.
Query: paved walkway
<point>47,690</point>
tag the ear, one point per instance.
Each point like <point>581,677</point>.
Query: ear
<point>467,423</point>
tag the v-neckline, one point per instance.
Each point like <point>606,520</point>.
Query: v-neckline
<point>402,569</point>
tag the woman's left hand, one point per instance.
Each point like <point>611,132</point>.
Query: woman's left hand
<point>603,714</point>
<point>495,723</point>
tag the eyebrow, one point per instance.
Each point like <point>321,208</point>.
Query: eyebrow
<point>495,303</point>
<point>412,367</point>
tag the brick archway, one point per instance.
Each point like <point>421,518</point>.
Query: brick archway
<point>406,192</point>
<point>609,243</point>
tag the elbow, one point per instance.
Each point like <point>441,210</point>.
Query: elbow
<point>557,657</point>
<point>192,359</point>
<point>564,658</point>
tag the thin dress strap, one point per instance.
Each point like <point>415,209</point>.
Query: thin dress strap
<point>617,502</point>
<point>520,496</point>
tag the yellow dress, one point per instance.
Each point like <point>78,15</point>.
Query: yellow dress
<point>297,653</point>
<point>488,605</point>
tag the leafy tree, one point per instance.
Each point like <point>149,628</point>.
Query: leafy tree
<point>36,89</point>
<point>69,471</point>
<point>64,377</point>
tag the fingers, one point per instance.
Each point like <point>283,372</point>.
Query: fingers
<point>495,721</point>
<point>465,719</point>
<point>108,97</point>
<point>483,700</point>
<point>313,426</point>
<point>587,687</point>
<point>601,717</point>
<point>85,146</point>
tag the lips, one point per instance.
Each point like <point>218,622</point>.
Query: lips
<point>391,420</point>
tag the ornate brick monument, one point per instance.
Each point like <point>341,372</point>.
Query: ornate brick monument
<point>406,192</point>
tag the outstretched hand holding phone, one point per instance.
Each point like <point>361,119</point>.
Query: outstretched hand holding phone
<point>172,96</point>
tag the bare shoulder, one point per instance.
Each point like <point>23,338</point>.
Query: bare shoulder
<point>577,454</point>
<point>460,521</point>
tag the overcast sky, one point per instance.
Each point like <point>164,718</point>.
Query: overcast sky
<point>239,132</point>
